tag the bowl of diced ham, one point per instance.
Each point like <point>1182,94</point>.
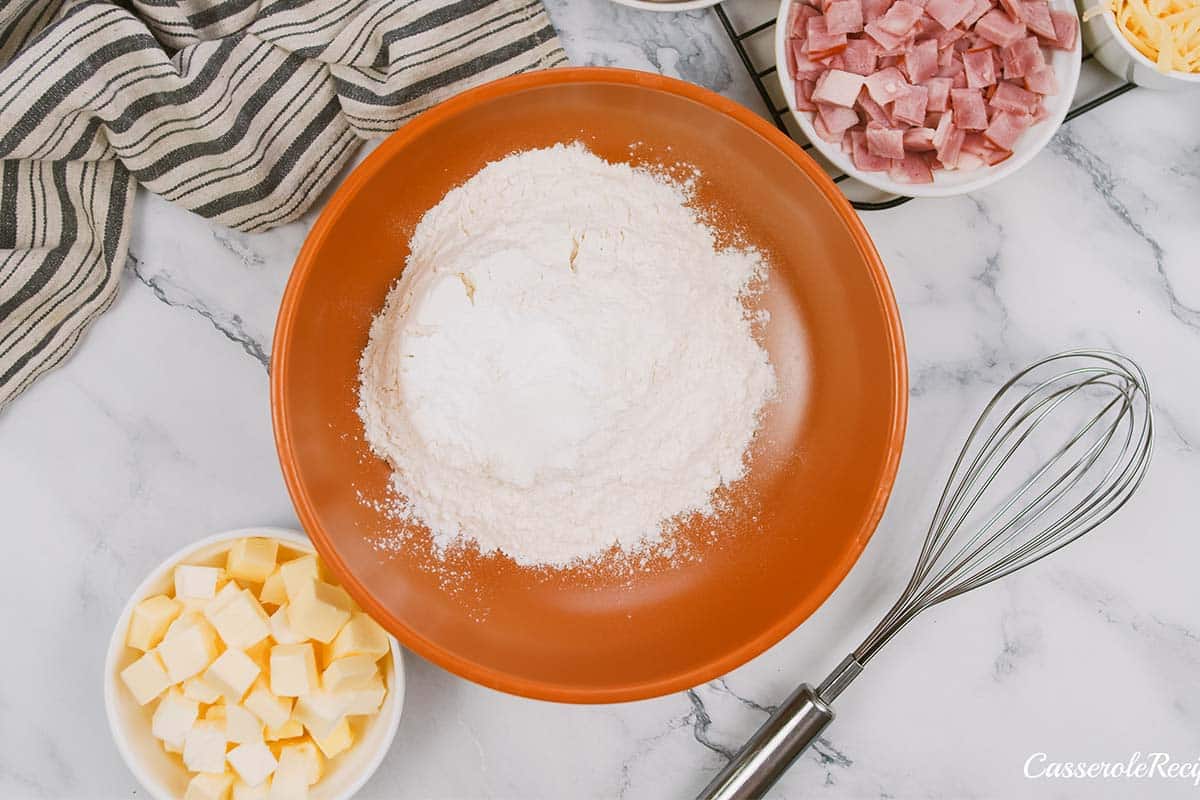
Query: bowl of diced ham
<point>928,98</point>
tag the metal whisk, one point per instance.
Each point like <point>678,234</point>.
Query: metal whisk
<point>1057,451</point>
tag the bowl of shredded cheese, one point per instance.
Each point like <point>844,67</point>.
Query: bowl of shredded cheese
<point>1153,43</point>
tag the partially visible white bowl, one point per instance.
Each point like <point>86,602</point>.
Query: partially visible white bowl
<point>1122,59</point>
<point>667,5</point>
<point>946,183</point>
<point>163,776</point>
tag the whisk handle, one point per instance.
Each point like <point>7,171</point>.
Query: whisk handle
<point>772,749</point>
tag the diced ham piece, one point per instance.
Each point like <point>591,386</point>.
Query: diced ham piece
<point>884,141</point>
<point>1066,29</point>
<point>948,13</point>
<point>825,133</point>
<point>886,85</point>
<point>1005,128</point>
<point>838,87</point>
<point>804,90</point>
<point>805,67</point>
<point>1010,97</point>
<point>1036,16</point>
<point>970,113</point>
<point>943,130</point>
<point>995,26</point>
<point>1012,8</point>
<point>939,94</point>
<point>846,16</point>
<point>946,38</point>
<point>976,144</point>
<point>980,8</point>
<point>821,43</point>
<point>885,40</point>
<point>837,119</point>
<point>910,106</point>
<point>1042,81</point>
<point>900,18</point>
<point>859,56</point>
<point>873,111</point>
<point>798,20</point>
<point>863,158</point>
<point>874,9</point>
<point>949,152</point>
<point>913,168</point>
<point>921,61</point>
<point>1022,57</point>
<point>979,67</point>
<point>918,140</point>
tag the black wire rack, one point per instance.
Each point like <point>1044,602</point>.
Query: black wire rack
<point>766,81</point>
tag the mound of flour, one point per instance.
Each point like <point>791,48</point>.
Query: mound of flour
<point>566,362</point>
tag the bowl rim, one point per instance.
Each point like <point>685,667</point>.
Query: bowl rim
<point>482,673</point>
<point>986,176</point>
<point>1110,23</point>
<point>667,5</point>
<point>116,645</point>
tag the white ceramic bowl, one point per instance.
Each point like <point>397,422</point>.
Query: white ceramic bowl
<point>1122,59</point>
<point>946,183</point>
<point>164,777</point>
<point>667,5</point>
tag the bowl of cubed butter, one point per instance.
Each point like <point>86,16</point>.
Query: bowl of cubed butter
<point>239,670</point>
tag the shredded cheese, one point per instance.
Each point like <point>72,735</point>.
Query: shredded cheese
<point>1167,32</point>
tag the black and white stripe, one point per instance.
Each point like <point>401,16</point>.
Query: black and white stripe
<point>239,110</point>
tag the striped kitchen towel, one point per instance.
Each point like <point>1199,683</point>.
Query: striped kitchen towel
<point>239,110</point>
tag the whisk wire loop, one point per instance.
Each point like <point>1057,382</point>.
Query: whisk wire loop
<point>982,531</point>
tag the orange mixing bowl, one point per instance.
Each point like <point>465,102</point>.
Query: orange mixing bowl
<point>821,468</point>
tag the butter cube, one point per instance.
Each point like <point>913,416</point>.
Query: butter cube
<point>241,726</point>
<point>361,636</point>
<point>320,712</point>
<point>288,730</point>
<point>297,573</point>
<point>318,611</point>
<point>273,710</point>
<point>200,690</point>
<point>350,672</point>
<point>339,740</point>
<point>365,699</point>
<point>186,651</point>
<point>228,592</point>
<point>196,583</point>
<point>240,622</point>
<point>146,678</point>
<point>281,632</point>
<point>243,791</point>
<point>150,620</point>
<point>252,559</point>
<point>233,672</point>
<point>293,669</point>
<point>204,747</point>
<point>173,718</point>
<point>215,714</point>
<point>253,762</point>
<point>207,786</point>
<point>273,590</point>
<point>307,755</point>
<point>290,781</point>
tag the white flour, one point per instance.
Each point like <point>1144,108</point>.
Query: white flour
<point>566,362</point>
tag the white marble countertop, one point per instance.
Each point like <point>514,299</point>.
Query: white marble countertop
<point>157,432</point>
